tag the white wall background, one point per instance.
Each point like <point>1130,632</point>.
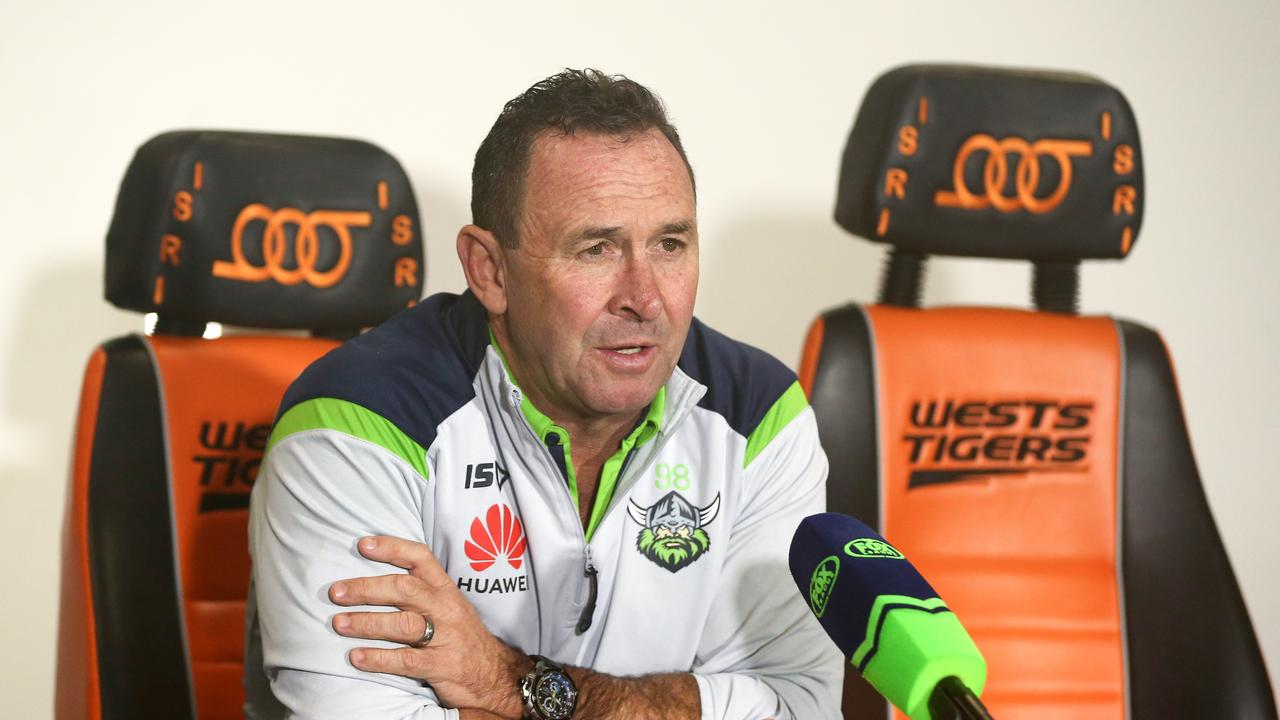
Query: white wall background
<point>764,95</point>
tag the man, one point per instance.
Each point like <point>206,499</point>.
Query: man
<point>592,492</point>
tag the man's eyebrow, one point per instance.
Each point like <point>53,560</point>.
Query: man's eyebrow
<point>612,232</point>
<point>677,228</point>
<point>599,232</point>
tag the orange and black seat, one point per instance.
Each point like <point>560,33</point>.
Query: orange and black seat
<point>252,230</point>
<point>1035,464</point>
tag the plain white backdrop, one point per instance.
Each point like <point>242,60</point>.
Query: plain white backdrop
<point>764,95</point>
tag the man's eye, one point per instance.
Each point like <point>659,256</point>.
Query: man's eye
<point>597,249</point>
<point>671,245</point>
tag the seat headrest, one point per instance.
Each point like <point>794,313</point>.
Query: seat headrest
<point>985,162</point>
<point>270,231</point>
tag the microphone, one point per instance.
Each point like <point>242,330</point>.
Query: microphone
<point>887,619</point>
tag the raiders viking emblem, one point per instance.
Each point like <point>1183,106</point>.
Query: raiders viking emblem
<point>673,534</point>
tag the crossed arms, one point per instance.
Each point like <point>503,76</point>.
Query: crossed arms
<point>760,655</point>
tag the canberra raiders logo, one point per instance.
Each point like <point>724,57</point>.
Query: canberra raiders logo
<point>673,534</point>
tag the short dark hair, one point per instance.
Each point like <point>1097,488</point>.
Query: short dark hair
<point>568,102</point>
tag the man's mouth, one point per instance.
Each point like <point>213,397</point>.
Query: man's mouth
<point>628,348</point>
<point>631,357</point>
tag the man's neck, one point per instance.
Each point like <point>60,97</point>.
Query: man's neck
<point>594,437</point>
<point>594,442</point>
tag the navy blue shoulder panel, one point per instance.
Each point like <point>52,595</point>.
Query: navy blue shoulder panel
<point>415,369</point>
<point>742,382</point>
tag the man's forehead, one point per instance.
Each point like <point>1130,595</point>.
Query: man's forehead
<point>585,157</point>
<point>582,178</point>
<point>586,145</point>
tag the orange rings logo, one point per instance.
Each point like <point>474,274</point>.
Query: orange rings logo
<point>306,245</point>
<point>995,174</point>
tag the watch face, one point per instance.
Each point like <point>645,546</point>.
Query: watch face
<point>555,696</point>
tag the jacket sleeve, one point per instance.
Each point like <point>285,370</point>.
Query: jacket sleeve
<point>763,654</point>
<point>319,491</point>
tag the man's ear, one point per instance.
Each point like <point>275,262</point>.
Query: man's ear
<point>484,263</point>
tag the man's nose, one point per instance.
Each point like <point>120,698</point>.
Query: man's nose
<point>638,295</point>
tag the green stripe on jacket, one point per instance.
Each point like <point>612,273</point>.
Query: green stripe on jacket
<point>354,420</point>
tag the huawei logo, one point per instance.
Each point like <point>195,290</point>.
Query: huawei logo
<point>498,535</point>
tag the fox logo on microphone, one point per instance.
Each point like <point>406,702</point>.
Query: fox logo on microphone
<point>821,584</point>
<point>871,548</point>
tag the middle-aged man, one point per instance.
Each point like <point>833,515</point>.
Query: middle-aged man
<point>593,492</point>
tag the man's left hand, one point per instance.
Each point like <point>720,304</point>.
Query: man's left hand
<point>464,663</point>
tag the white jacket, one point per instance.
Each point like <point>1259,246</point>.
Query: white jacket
<point>417,430</point>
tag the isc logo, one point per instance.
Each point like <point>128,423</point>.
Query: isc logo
<point>1008,174</point>
<point>306,245</point>
<point>1026,175</point>
<point>285,245</point>
<point>483,475</point>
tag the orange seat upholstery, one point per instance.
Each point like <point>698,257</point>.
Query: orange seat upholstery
<point>254,230</point>
<point>1034,464</point>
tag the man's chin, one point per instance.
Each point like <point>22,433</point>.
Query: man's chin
<point>610,392</point>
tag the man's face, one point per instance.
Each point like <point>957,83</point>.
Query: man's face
<point>600,291</point>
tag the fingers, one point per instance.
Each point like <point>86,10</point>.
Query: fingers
<point>409,662</point>
<point>403,591</point>
<point>412,556</point>
<point>400,627</point>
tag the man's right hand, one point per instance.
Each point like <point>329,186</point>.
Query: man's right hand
<point>464,663</point>
<point>466,666</point>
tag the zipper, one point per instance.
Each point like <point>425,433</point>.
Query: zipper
<point>559,463</point>
<point>588,612</point>
<point>559,466</point>
<point>556,447</point>
<point>589,569</point>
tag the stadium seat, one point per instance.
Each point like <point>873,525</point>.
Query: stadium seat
<point>255,231</point>
<point>1034,463</point>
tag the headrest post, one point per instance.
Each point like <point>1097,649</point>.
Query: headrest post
<point>903,279</point>
<point>1055,287</point>
<point>166,325</point>
<point>340,334</point>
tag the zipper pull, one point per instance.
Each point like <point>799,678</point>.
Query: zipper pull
<point>556,447</point>
<point>584,622</point>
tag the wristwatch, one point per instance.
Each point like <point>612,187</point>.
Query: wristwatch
<point>547,691</point>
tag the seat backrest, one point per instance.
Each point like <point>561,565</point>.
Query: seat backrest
<point>1034,464</point>
<point>253,230</point>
